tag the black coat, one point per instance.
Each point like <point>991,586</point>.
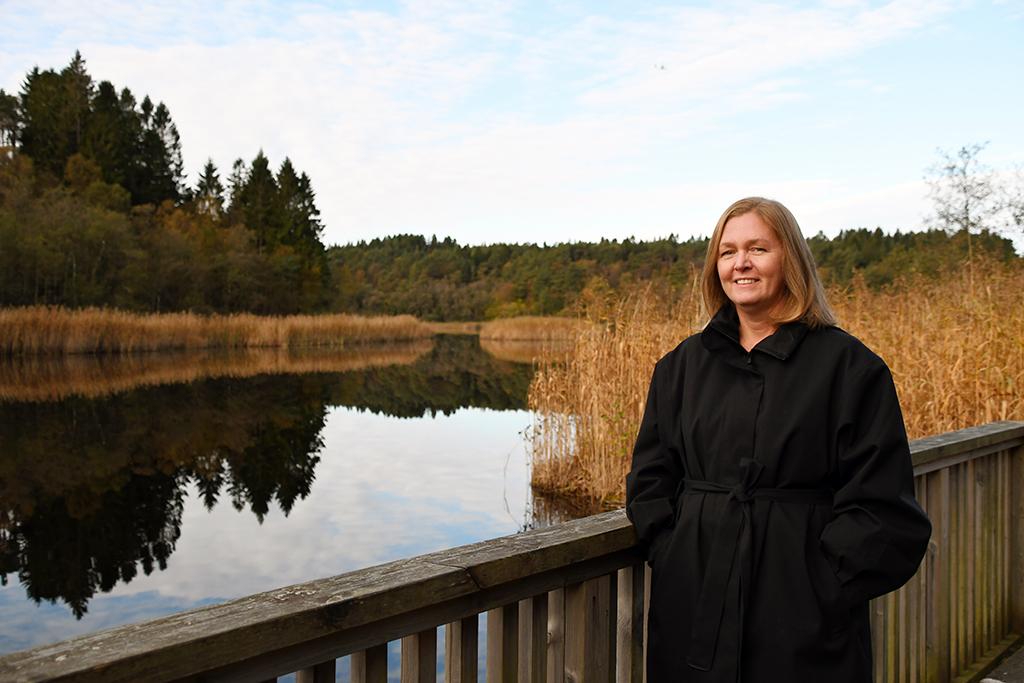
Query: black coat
<point>774,491</point>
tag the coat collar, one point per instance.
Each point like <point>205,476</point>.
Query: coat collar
<point>723,331</point>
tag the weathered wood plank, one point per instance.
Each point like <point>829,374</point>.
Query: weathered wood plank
<point>307,616</point>
<point>943,450</point>
<point>630,619</point>
<point>503,644</point>
<point>419,657</point>
<point>610,636</point>
<point>533,629</point>
<point>587,616</point>
<point>370,665</point>
<point>321,673</point>
<point>460,650</point>
<point>556,636</point>
<point>1017,547</point>
<point>1007,542</point>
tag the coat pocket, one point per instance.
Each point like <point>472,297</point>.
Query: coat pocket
<point>657,546</point>
<point>834,608</point>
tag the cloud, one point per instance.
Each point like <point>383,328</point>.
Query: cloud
<point>466,120</point>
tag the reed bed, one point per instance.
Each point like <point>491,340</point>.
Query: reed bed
<point>955,347</point>
<point>51,378</point>
<point>531,328</point>
<point>56,330</point>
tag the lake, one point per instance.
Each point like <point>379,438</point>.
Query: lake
<point>132,488</point>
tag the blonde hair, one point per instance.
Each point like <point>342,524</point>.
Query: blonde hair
<point>803,297</point>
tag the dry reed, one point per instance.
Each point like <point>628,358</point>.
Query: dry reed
<point>48,378</point>
<point>531,328</point>
<point>955,346</point>
<point>56,330</point>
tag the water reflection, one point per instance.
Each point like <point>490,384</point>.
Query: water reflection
<point>93,486</point>
<point>43,378</point>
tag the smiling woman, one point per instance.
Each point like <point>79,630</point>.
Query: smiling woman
<point>771,480</point>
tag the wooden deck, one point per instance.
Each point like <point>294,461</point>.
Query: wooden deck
<point>566,603</point>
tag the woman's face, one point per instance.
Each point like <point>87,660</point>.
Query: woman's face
<point>750,264</point>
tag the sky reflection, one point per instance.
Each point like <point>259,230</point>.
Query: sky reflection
<point>385,488</point>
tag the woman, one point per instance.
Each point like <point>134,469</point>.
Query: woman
<point>771,479</point>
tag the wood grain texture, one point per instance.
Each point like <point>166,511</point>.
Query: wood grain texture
<point>419,657</point>
<point>370,665</point>
<point>321,673</point>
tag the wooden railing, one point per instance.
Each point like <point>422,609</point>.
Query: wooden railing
<point>566,603</point>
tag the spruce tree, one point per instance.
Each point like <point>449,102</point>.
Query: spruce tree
<point>111,134</point>
<point>9,119</point>
<point>78,91</point>
<point>209,192</point>
<point>259,203</point>
<point>159,173</point>
<point>42,138</point>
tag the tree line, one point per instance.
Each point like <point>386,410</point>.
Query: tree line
<point>95,211</point>
<point>442,280</point>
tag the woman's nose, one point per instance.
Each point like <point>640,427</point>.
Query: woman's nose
<point>742,260</point>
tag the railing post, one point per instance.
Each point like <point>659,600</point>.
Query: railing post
<point>370,665</point>
<point>321,673</point>
<point>587,615</point>
<point>419,657</point>
<point>460,650</point>
<point>938,618</point>
<point>533,629</point>
<point>629,645</point>
<point>503,644</point>
<point>556,636</point>
<point>1017,546</point>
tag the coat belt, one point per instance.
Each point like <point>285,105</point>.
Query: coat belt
<point>734,532</point>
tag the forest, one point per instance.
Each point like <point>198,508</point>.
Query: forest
<point>96,210</point>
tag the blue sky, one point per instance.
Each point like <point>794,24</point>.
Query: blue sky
<point>549,122</point>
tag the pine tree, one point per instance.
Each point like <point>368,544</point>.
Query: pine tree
<point>209,193</point>
<point>41,136</point>
<point>78,91</point>
<point>159,173</point>
<point>9,119</point>
<point>112,133</point>
<point>258,200</point>
<point>236,183</point>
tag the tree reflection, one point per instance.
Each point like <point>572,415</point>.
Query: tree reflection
<point>92,490</point>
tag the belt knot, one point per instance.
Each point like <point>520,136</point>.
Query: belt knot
<point>750,472</point>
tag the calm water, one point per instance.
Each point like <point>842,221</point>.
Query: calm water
<point>134,489</point>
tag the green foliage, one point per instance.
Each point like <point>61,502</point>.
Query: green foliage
<point>94,211</point>
<point>441,280</point>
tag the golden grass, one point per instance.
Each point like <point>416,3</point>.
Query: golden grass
<point>52,378</point>
<point>56,330</point>
<point>955,347</point>
<point>531,328</point>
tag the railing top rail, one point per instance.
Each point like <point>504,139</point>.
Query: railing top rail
<point>943,450</point>
<point>292,626</point>
<point>469,578</point>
